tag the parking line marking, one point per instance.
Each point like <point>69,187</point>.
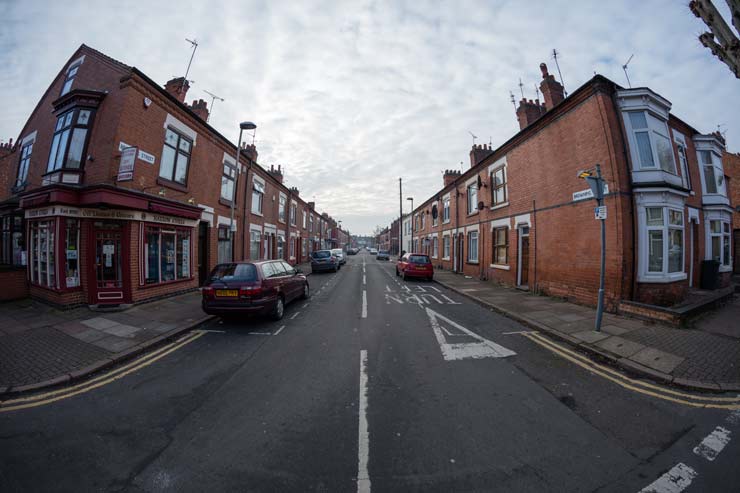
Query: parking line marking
<point>712,445</point>
<point>279,330</point>
<point>295,315</point>
<point>363,437</point>
<point>364,304</point>
<point>674,481</point>
<point>304,305</point>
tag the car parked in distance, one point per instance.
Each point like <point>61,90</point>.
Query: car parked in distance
<point>262,288</point>
<point>373,251</point>
<point>415,265</point>
<point>352,251</point>
<point>339,254</point>
<point>323,260</point>
<point>383,255</point>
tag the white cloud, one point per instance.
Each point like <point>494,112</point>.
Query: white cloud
<point>350,96</point>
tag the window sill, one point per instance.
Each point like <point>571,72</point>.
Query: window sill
<point>165,283</point>
<point>725,268</point>
<point>500,266</point>
<point>18,188</point>
<point>171,184</point>
<point>662,278</point>
<point>500,206</point>
<point>446,222</point>
<point>257,214</point>
<point>472,213</point>
<point>225,202</point>
<point>471,262</point>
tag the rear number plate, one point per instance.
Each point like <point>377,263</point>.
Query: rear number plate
<point>227,292</point>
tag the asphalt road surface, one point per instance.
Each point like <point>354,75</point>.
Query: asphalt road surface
<point>373,384</point>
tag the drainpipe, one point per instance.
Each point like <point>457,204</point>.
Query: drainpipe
<point>536,233</point>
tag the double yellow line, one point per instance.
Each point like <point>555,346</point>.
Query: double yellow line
<point>86,386</point>
<point>645,388</point>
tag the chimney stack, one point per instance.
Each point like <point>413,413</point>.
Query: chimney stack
<point>478,153</point>
<point>294,191</point>
<point>6,148</point>
<point>200,108</point>
<point>276,173</point>
<point>312,205</point>
<point>450,176</point>
<point>529,112</point>
<point>552,90</point>
<point>250,151</point>
<point>178,87</point>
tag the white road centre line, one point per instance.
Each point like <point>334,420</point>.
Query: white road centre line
<point>364,304</point>
<point>364,281</point>
<point>279,330</point>
<point>363,437</point>
<point>214,331</point>
<point>674,481</point>
<point>260,333</point>
<point>712,445</point>
<point>295,315</point>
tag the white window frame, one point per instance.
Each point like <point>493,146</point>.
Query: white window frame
<point>446,209</point>
<point>725,219</point>
<point>472,191</point>
<point>435,247</point>
<point>229,174</point>
<point>717,172</point>
<point>258,195</point>
<point>446,247</point>
<point>666,201</point>
<point>683,158</point>
<point>282,208</point>
<point>470,236</point>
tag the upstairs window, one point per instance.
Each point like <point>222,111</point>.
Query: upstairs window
<point>23,165</point>
<point>281,209</point>
<point>227,181</point>
<point>435,217</point>
<point>498,186</point>
<point>683,162</point>
<point>293,213</point>
<point>69,77</point>
<point>654,148</point>
<point>446,210</point>
<point>472,198</point>
<point>258,196</point>
<point>714,178</point>
<point>175,157</point>
<point>68,143</point>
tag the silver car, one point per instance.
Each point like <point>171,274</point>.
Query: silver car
<point>383,255</point>
<point>339,254</point>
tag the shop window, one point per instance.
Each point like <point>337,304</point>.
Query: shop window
<point>69,78</point>
<point>26,151</point>
<point>224,245</point>
<point>69,140</point>
<point>166,254</point>
<point>473,246</point>
<point>254,245</point>
<point>498,186</point>
<point>719,233</point>
<point>176,154</point>
<point>227,181</point>
<point>41,253</point>
<point>13,252</point>
<point>501,246</point>
<point>72,253</point>
<point>258,195</point>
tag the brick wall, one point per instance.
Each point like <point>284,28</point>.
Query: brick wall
<point>14,284</point>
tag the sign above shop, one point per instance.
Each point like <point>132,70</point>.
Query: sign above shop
<point>114,214</point>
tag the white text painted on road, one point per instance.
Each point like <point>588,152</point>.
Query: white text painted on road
<point>482,348</point>
<point>712,445</point>
<point>674,481</point>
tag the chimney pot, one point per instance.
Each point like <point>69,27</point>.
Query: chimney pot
<point>178,87</point>
<point>543,68</point>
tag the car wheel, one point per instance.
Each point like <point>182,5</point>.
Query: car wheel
<point>279,310</point>
<point>306,292</point>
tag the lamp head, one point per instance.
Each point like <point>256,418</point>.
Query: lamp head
<point>584,173</point>
<point>247,126</point>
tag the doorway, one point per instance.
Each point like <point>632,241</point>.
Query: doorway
<point>523,258</point>
<point>111,279</point>
<point>203,228</point>
<point>459,257</point>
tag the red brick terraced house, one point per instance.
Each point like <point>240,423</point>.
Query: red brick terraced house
<point>117,192</point>
<point>731,163</point>
<point>521,216</point>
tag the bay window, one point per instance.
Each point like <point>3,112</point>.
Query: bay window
<point>653,147</point>
<point>473,246</point>
<point>714,177</point>
<point>166,254</point>
<point>68,142</point>
<point>719,234</point>
<point>664,235</point>
<point>501,246</point>
<point>175,157</point>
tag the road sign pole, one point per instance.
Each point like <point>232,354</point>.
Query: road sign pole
<point>600,198</point>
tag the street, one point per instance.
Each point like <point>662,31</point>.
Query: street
<point>373,384</point>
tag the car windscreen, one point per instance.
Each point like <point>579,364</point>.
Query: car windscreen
<point>336,251</point>
<point>234,272</point>
<point>321,254</point>
<point>419,259</point>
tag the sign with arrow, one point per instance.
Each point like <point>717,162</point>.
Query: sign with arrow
<point>466,344</point>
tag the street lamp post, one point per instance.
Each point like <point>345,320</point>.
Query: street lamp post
<point>596,183</point>
<point>242,126</point>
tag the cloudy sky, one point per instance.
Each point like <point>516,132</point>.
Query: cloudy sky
<point>350,96</point>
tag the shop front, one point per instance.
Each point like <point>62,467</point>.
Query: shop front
<point>99,255</point>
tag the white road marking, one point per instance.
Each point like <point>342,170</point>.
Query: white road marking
<point>734,417</point>
<point>363,279</point>
<point>481,349</point>
<point>520,332</point>
<point>712,445</point>
<point>215,331</point>
<point>451,302</point>
<point>387,288</point>
<point>674,481</point>
<point>294,315</point>
<point>363,437</point>
<point>279,330</point>
<point>364,304</point>
<point>304,305</point>
<point>260,333</point>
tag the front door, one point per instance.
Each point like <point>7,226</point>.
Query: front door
<point>460,252</point>
<point>203,228</point>
<point>110,264</point>
<point>524,256</point>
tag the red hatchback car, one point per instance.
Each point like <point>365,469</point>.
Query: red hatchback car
<point>415,265</point>
<point>253,287</point>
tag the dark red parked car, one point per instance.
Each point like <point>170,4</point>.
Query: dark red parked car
<point>253,287</point>
<point>415,265</point>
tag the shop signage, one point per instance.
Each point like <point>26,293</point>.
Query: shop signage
<point>587,194</point>
<point>126,166</point>
<point>119,214</point>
